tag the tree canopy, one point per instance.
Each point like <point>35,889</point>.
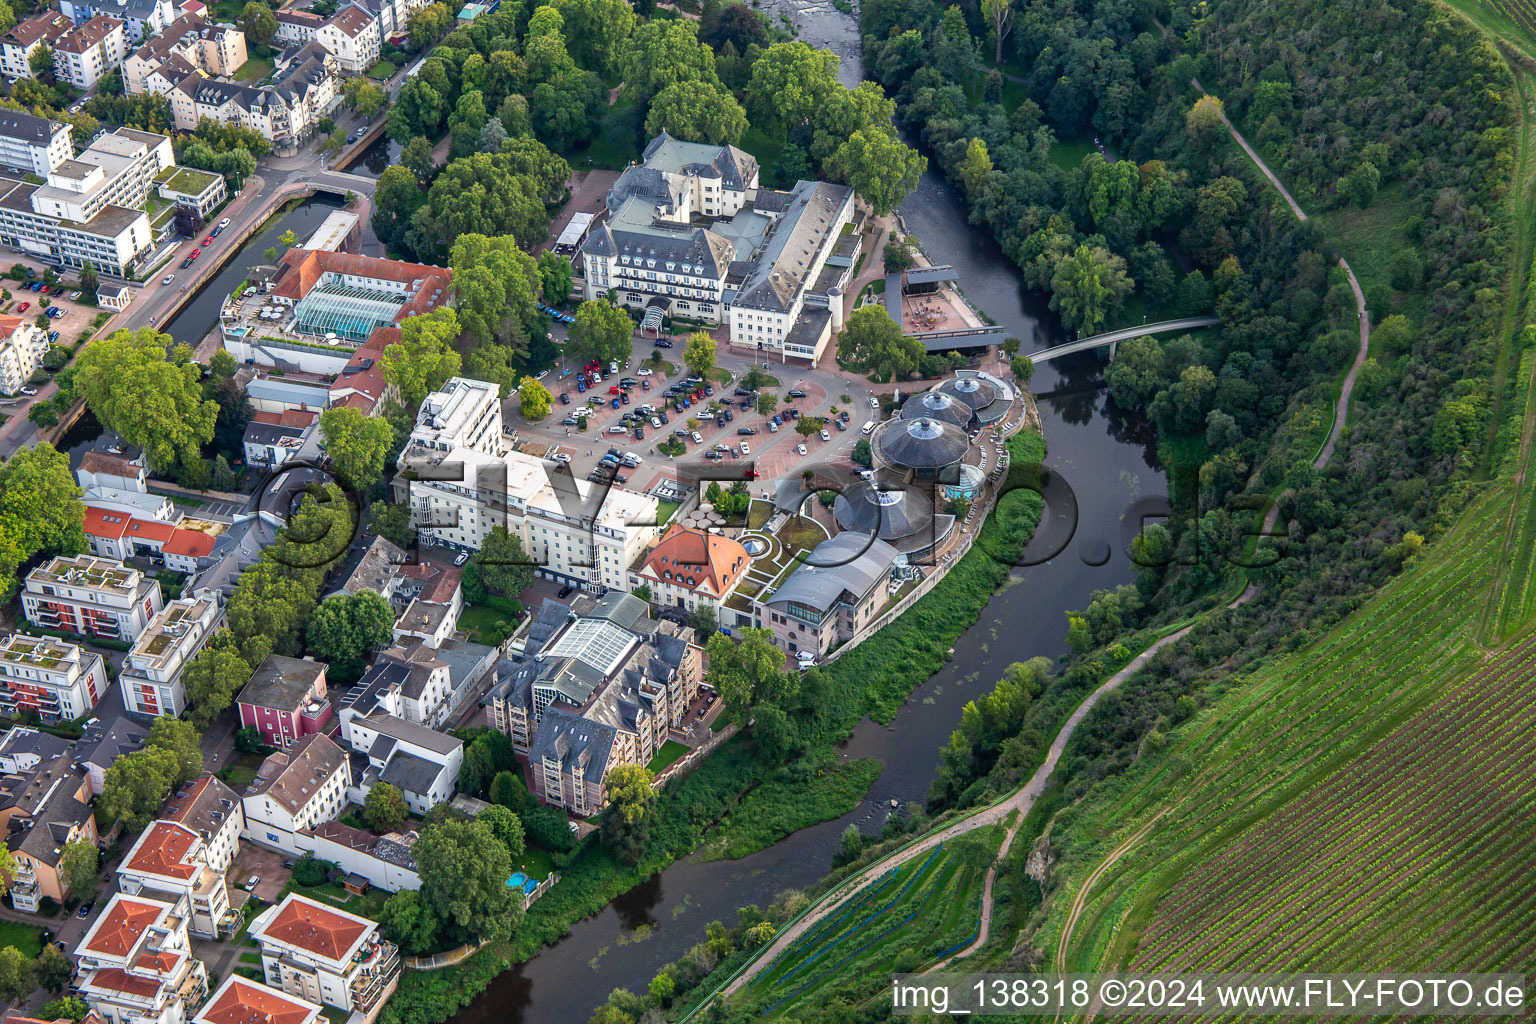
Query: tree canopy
<point>131,385</point>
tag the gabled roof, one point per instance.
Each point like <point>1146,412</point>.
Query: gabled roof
<point>85,36</point>
<point>204,804</point>
<point>313,927</point>
<point>190,543</point>
<point>695,560</point>
<point>292,777</point>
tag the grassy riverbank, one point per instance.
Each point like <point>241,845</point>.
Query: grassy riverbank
<point>873,679</point>
<point>796,796</point>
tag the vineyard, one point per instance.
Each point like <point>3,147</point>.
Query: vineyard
<point>1258,762</point>
<point>914,913</point>
<point>1521,12</point>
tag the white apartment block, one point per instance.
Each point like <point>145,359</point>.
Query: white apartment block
<point>573,531</point>
<point>298,788</point>
<point>240,1001</point>
<point>463,414</point>
<point>354,36</point>
<point>189,44</point>
<point>117,169</point>
<point>151,674</point>
<point>89,51</point>
<point>136,964</point>
<point>22,347</point>
<point>211,809</point>
<point>141,18</point>
<point>284,112</point>
<point>420,762</point>
<point>326,955</point>
<point>91,596</point>
<point>55,680</point>
<point>27,37</point>
<point>170,862</point>
<point>32,145</point>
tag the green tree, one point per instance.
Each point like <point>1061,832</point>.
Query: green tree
<point>384,808</point>
<point>746,673</point>
<point>881,169</point>
<point>365,97</point>
<point>597,31</point>
<point>626,826</point>
<point>135,786</point>
<point>1079,636</point>
<point>65,1007</point>
<point>410,920</point>
<point>476,770</point>
<point>183,742</point>
<point>1359,185</point>
<point>555,274</point>
<point>506,826</point>
<point>1088,287</point>
<point>699,353</point>
<point>424,357</point>
<point>357,445</point>
<point>871,341</point>
<point>40,510</point>
<point>534,399</point>
<point>900,253</point>
<point>509,791</point>
<point>212,680</point>
<point>1204,120</point>
<point>496,286</point>
<point>765,402</point>
<point>697,111</point>
<point>346,628</point>
<point>222,364</point>
<point>1023,369</point>
<point>976,168</point>
<point>416,157</point>
<point>663,52</point>
<point>78,864</point>
<point>704,623</point>
<point>999,14</point>
<point>502,564</point>
<point>16,979</point>
<point>41,62</point>
<point>133,388</point>
<point>393,523</point>
<point>464,871</point>
<point>52,969</point>
<point>602,332</point>
<point>258,23</point>
<point>288,238</point>
<point>790,84</point>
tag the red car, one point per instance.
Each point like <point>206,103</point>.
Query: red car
<point>195,254</point>
<point>208,240</point>
<point>23,307</point>
<point>46,289</point>
<point>613,390</point>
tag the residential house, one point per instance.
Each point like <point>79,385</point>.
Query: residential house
<point>242,1001</point>
<point>143,18</point>
<point>326,955</point>
<point>211,809</point>
<point>378,570</point>
<point>284,111</point>
<point>438,600</point>
<point>385,862</point>
<point>90,50</point>
<point>273,439</point>
<point>91,596</point>
<point>170,862</point>
<point>296,789</point>
<point>215,50</point>
<point>692,569</point>
<point>353,35</point>
<point>33,145</point>
<point>285,700</point>
<point>104,743</point>
<point>150,679</point>
<point>195,190</point>
<point>422,763</point>
<point>55,680</point>
<point>136,964</point>
<point>361,384</point>
<point>22,347</point>
<point>45,809</point>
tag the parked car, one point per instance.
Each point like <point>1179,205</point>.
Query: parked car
<point>796,393</point>
<point>656,422</point>
<point>569,421</point>
<point>168,279</point>
<point>462,558</point>
<point>560,457</point>
<point>186,263</point>
<point>208,241</point>
<point>86,908</point>
<point>250,883</point>
<point>746,431</point>
<point>800,448</point>
<point>697,437</point>
<point>639,434</point>
<point>773,428</point>
<point>824,435</point>
<point>23,307</point>
<point>565,592</point>
<point>223,224</point>
<point>840,424</point>
<point>195,254</point>
<point>663,343</point>
<point>746,449</point>
<point>644,371</point>
<point>29,391</point>
<point>565,398</point>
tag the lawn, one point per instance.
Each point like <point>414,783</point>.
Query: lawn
<point>796,796</point>
<point>335,1014</point>
<point>242,770</point>
<point>1371,238</point>
<point>767,150</point>
<point>254,70</point>
<point>665,511</point>
<point>381,71</point>
<point>535,862</point>
<point>667,756</point>
<point>1068,153</point>
<point>23,936</point>
<point>802,533</point>
<point>758,513</point>
<point>480,621</point>
<point>617,143</point>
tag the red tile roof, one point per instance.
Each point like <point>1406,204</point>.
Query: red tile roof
<point>438,580</point>
<point>352,20</point>
<point>100,522</point>
<point>162,850</point>
<point>162,963</point>
<point>122,924</point>
<point>300,269</point>
<point>151,530</point>
<point>300,418</point>
<point>191,543</point>
<point>319,929</point>
<point>692,558</point>
<point>121,981</point>
<point>247,1002</point>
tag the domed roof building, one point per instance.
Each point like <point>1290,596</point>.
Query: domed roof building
<point>902,516</point>
<point>924,444</point>
<point>938,405</point>
<point>973,391</point>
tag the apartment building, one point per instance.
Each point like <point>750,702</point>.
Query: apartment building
<point>295,789</point>
<point>91,596</point>
<point>151,674</point>
<point>285,111</point>
<point>406,680</point>
<point>599,684</point>
<point>46,807</point>
<point>141,18</point>
<point>216,50</point>
<point>286,700</point>
<point>84,54</point>
<point>571,530</point>
<point>241,1001</point>
<point>170,862</point>
<point>296,27</point>
<point>31,144</point>
<point>26,38</point>
<point>326,955</point>
<point>353,35</point>
<point>136,964</point>
<point>692,569</point>
<point>690,234</point>
<point>54,680</point>
<point>462,414</point>
<point>420,762</point>
<point>211,809</point>
<point>22,347</point>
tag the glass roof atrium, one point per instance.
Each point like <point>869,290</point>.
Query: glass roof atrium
<point>348,312</point>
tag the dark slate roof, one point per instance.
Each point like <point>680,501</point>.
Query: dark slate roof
<point>619,608</point>
<point>863,508</point>
<point>809,225</point>
<point>973,391</point>
<point>411,774</point>
<point>281,683</point>
<point>44,835</point>
<point>579,745</point>
<point>101,745</point>
<point>27,127</point>
<point>937,405</point>
<point>410,732</point>
<point>922,443</point>
<point>734,167</point>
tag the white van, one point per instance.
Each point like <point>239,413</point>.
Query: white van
<point>868,428</point>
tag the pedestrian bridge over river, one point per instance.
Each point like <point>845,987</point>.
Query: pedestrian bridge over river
<point>1113,338</point>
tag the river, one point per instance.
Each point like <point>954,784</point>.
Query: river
<point>1108,461</point>
<point>201,314</point>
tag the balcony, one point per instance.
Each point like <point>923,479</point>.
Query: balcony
<point>380,965</point>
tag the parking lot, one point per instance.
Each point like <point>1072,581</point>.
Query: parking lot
<point>76,316</point>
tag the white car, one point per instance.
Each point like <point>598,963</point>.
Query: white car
<point>560,457</point>
<point>644,371</point>
<point>773,428</point>
<point>168,279</point>
<point>874,403</point>
<point>826,436</point>
<point>656,423</point>
<point>634,457</point>
<point>805,658</point>
<point>29,391</point>
<point>698,438</point>
<point>800,448</point>
<point>224,223</point>
<point>746,449</point>
<point>463,557</point>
